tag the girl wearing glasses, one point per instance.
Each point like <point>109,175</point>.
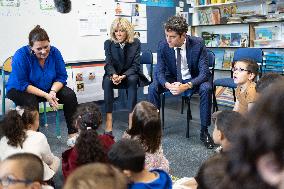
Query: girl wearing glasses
<point>244,75</point>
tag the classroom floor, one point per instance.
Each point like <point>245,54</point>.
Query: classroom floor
<point>184,154</point>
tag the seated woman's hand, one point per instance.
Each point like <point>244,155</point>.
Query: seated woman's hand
<point>52,100</point>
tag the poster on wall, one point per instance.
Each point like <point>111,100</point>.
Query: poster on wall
<point>139,10</point>
<point>139,23</point>
<point>141,35</point>
<point>124,9</point>
<point>159,3</point>
<point>87,82</point>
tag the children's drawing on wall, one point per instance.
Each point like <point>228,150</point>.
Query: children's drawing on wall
<point>124,9</point>
<point>118,9</point>
<point>79,77</point>
<point>139,9</point>
<point>46,5</point>
<point>80,86</point>
<point>92,76</point>
<point>136,10</point>
<point>10,3</point>
<point>141,35</point>
<point>139,23</point>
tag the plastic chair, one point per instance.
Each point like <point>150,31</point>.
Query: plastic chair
<point>6,70</point>
<point>186,98</point>
<point>241,53</point>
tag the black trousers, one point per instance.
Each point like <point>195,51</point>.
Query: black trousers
<point>130,83</point>
<point>66,96</point>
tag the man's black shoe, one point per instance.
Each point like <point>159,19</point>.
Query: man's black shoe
<point>207,140</point>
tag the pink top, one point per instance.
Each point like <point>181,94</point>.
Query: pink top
<point>155,160</point>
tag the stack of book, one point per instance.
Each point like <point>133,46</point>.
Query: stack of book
<point>273,62</point>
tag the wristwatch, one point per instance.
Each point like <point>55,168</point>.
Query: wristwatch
<point>189,85</point>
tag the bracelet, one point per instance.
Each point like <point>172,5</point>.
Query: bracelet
<point>53,90</point>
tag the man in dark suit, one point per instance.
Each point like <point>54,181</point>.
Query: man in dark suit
<point>183,67</point>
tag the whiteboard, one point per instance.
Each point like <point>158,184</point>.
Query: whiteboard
<point>63,29</point>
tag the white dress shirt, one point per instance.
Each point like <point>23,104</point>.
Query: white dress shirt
<point>184,66</point>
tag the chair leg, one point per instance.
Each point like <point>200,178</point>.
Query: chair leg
<point>188,118</point>
<point>58,132</point>
<point>215,105</point>
<point>182,104</point>
<point>163,110</point>
<point>44,114</point>
<point>234,94</point>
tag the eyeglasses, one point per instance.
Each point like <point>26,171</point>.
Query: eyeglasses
<point>239,70</point>
<point>8,180</point>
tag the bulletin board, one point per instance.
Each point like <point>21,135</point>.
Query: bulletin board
<point>79,35</point>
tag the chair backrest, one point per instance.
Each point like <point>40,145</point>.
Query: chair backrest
<point>249,53</point>
<point>6,69</point>
<point>211,62</point>
<point>147,58</point>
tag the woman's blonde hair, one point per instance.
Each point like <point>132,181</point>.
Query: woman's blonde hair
<point>126,26</point>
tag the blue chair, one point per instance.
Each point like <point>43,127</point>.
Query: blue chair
<point>147,58</point>
<point>186,97</point>
<point>241,53</point>
<point>6,70</point>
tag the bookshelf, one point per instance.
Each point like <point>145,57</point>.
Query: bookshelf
<point>231,25</point>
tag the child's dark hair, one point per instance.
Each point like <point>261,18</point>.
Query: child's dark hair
<point>228,121</point>
<point>266,80</point>
<point>127,154</point>
<point>89,148</point>
<point>177,24</point>
<point>87,116</point>
<point>15,123</point>
<point>87,119</point>
<point>29,115</point>
<point>252,66</point>
<point>146,124</point>
<point>212,173</point>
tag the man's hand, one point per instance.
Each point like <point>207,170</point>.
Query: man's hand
<point>178,88</point>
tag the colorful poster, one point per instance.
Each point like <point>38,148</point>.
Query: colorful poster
<point>87,82</point>
<point>159,3</point>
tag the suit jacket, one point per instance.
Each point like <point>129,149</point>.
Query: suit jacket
<point>124,61</point>
<point>197,60</point>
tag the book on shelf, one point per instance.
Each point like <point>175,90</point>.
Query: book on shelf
<point>228,58</point>
<point>236,39</point>
<point>207,37</point>
<point>244,39</point>
<point>215,40</point>
<point>216,16</point>
<point>219,57</point>
<point>225,40</point>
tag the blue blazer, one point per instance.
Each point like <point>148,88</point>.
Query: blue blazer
<point>124,61</point>
<point>197,60</point>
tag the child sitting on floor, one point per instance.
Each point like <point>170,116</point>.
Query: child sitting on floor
<point>129,156</point>
<point>244,74</point>
<point>226,123</point>
<point>89,147</point>
<point>146,128</point>
<point>20,135</point>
